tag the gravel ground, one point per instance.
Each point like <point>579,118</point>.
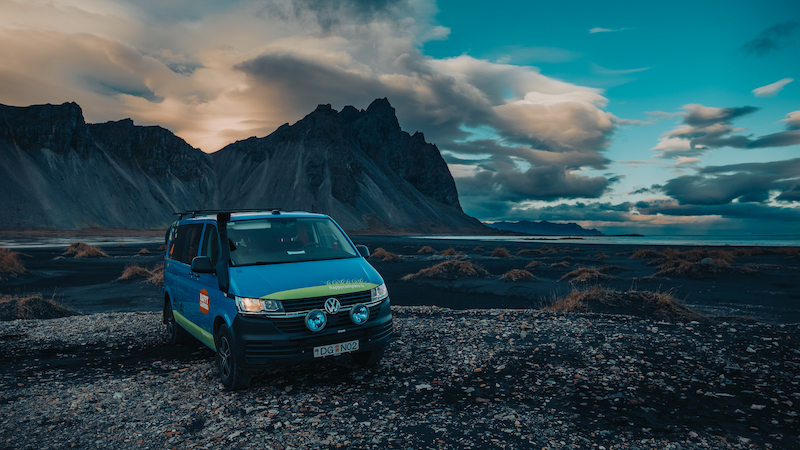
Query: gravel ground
<point>451,379</point>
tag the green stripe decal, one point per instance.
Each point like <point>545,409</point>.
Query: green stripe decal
<point>204,336</point>
<point>334,288</point>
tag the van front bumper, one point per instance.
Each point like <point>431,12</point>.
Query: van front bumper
<point>262,343</point>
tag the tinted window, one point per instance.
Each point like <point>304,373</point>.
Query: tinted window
<point>186,243</point>
<point>211,244</point>
<point>281,240</point>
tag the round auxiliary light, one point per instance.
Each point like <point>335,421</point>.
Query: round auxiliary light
<point>316,320</point>
<point>359,314</point>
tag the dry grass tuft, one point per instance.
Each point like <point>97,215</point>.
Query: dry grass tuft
<point>144,251</point>
<point>561,264</point>
<point>10,263</point>
<point>534,264</point>
<point>567,258</point>
<point>478,249</point>
<point>162,247</point>
<point>587,274</point>
<point>577,249</point>
<point>81,250</point>
<point>553,250</point>
<point>646,254</point>
<point>680,268</point>
<point>609,269</point>
<point>426,249</point>
<point>138,273</point>
<point>449,252</point>
<point>517,275</point>
<point>529,251</point>
<point>450,270</point>
<point>601,255</point>
<point>658,305</point>
<point>788,251</point>
<point>32,306</point>
<point>121,245</point>
<point>385,256</point>
<point>500,252</point>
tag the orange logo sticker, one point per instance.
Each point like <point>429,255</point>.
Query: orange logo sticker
<point>204,301</point>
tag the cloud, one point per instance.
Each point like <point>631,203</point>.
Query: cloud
<point>746,182</point>
<point>772,89</point>
<point>606,30</point>
<point>771,39</point>
<point>759,212</point>
<point>603,71</point>
<point>704,128</point>
<point>656,188</point>
<point>504,181</point>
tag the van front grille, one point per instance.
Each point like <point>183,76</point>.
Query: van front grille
<point>307,304</point>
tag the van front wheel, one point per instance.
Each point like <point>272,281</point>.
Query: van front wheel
<point>175,333</point>
<point>231,375</point>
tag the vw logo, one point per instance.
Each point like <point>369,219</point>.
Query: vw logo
<point>332,306</point>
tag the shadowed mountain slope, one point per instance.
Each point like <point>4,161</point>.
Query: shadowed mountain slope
<point>357,166</point>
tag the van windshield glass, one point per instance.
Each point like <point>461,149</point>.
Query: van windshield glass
<point>282,240</point>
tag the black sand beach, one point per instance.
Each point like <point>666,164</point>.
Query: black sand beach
<point>756,284</point>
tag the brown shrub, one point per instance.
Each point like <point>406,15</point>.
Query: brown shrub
<point>450,270</point>
<point>478,249</point>
<point>788,251</point>
<point>32,306</point>
<point>561,264</point>
<point>162,247</point>
<point>426,249</point>
<point>528,251</point>
<point>646,254</point>
<point>577,249</point>
<point>383,255</point>
<point>10,263</point>
<point>138,273</point>
<point>587,274</point>
<point>144,251</point>
<point>517,275</point>
<point>601,255</point>
<point>81,250</point>
<point>500,252</point>
<point>680,268</point>
<point>448,252</point>
<point>750,251</point>
<point>121,245</point>
<point>567,258</point>
<point>609,269</point>
<point>553,250</point>
<point>534,264</point>
<point>658,305</point>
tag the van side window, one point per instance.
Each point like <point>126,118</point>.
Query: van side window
<point>186,243</point>
<point>211,244</point>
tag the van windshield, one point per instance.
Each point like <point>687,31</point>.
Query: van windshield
<point>282,240</point>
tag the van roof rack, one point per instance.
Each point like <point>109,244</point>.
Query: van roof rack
<point>193,213</point>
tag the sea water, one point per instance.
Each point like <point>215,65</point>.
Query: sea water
<point>695,240</point>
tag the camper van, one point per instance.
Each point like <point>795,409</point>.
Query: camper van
<point>268,288</point>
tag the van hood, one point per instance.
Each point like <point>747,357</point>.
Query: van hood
<point>304,279</point>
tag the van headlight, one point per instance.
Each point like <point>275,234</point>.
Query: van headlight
<point>379,293</point>
<point>249,305</point>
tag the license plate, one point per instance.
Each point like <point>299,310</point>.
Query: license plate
<point>335,349</point>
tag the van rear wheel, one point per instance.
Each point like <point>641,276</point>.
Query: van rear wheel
<point>175,333</point>
<point>369,358</point>
<point>231,375</point>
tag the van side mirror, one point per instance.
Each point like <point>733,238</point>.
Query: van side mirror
<point>363,250</point>
<point>202,264</point>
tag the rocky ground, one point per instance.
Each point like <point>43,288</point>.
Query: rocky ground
<point>452,379</point>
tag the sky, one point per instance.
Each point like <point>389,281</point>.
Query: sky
<point>629,117</point>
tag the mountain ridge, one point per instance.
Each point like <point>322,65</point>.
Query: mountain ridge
<point>545,228</point>
<point>358,166</point>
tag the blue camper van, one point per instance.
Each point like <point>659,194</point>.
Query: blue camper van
<point>267,288</point>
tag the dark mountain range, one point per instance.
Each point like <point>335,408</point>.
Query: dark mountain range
<point>545,228</point>
<point>357,166</point>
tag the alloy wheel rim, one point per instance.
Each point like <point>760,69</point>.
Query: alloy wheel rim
<point>224,355</point>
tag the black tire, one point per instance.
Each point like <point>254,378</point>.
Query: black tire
<point>369,358</point>
<point>175,332</point>
<point>231,375</point>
